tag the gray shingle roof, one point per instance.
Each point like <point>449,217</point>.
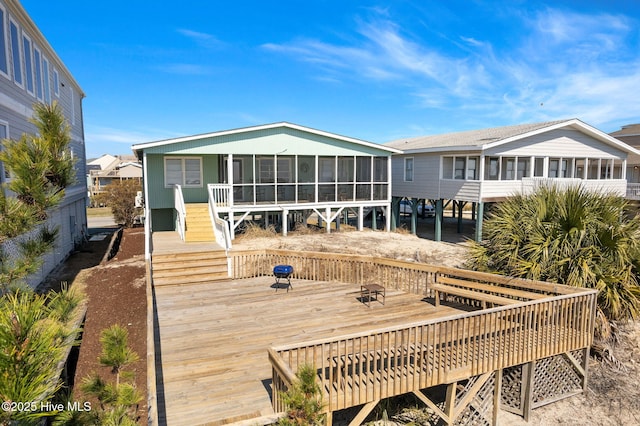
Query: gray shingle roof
<point>469,138</point>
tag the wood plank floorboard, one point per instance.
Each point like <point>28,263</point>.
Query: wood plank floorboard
<point>214,338</point>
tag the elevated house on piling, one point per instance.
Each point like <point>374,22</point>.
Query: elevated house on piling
<point>489,165</point>
<point>279,173</point>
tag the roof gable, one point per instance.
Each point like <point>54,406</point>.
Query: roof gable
<point>479,140</point>
<point>235,135</point>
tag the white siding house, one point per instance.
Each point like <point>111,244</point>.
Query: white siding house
<point>490,165</point>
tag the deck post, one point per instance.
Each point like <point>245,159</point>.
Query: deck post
<point>285,222</point>
<point>497,391</point>
<point>528,370</point>
<point>450,403</point>
<point>473,211</point>
<point>327,212</point>
<point>374,218</point>
<point>414,216</point>
<point>461,205</point>
<point>395,210</point>
<point>360,218</point>
<point>438,225</point>
<point>479,217</point>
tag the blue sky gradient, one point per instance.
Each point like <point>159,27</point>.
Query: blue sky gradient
<point>377,71</point>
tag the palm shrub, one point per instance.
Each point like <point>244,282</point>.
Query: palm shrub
<point>571,236</point>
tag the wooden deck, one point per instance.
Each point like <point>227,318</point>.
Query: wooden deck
<point>214,339</point>
<point>169,242</point>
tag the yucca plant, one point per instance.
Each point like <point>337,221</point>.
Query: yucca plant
<point>573,237</point>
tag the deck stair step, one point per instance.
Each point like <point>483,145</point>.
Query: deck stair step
<point>189,268</point>
<point>198,224</point>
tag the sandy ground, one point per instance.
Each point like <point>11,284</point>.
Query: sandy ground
<point>613,395</point>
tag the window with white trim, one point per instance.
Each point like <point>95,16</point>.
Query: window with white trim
<point>266,169</point>
<point>491,168</point>
<point>15,53</point>
<point>508,168</point>
<point>56,82</point>
<point>460,168</point>
<point>45,79</point>
<point>408,169</point>
<point>37,71</point>
<point>4,46</point>
<point>28,62</point>
<point>472,168</point>
<point>185,171</point>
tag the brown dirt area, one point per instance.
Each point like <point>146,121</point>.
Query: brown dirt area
<point>116,292</point>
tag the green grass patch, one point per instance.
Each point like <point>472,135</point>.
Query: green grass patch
<point>99,212</point>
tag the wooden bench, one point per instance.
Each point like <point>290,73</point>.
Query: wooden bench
<point>484,298</point>
<point>506,291</point>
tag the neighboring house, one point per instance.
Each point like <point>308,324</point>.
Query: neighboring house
<point>630,135</point>
<point>281,172</point>
<point>30,72</point>
<point>490,165</point>
<point>102,171</point>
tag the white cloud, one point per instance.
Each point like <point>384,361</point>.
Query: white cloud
<point>205,40</point>
<point>559,64</point>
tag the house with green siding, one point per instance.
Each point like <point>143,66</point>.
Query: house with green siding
<point>205,186</point>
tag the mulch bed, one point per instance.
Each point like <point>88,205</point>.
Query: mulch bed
<point>116,293</point>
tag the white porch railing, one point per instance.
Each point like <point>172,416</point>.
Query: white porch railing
<point>178,202</point>
<point>220,194</point>
<point>633,191</point>
<point>220,226</point>
<point>530,184</point>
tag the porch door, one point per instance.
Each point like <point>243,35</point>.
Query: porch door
<point>238,193</point>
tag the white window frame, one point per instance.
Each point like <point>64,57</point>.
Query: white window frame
<point>16,62</point>
<point>476,169</point>
<point>56,82</point>
<point>7,41</point>
<point>182,169</point>
<point>266,175</point>
<point>289,171</point>
<point>37,69</point>
<point>27,43</point>
<point>465,169</point>
<point>46,88</point>
<point>409,173</point>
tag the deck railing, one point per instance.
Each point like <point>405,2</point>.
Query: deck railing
<point>539,320</point>
<point>220,226</point>
<point>181,211</point>
<point>633,191</point>
<point>381,363</point>
<point>221,194</point>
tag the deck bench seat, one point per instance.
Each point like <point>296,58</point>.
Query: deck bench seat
<point>506,291</point>
<point>470,294</point>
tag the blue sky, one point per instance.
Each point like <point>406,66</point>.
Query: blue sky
<point>377,71</point>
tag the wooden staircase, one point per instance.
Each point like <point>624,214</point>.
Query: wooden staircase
<point>198,225</point>
<point>189,268</point>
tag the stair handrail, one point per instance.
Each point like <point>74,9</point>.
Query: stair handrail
<point>221,228</point>
<point>178,202</point>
